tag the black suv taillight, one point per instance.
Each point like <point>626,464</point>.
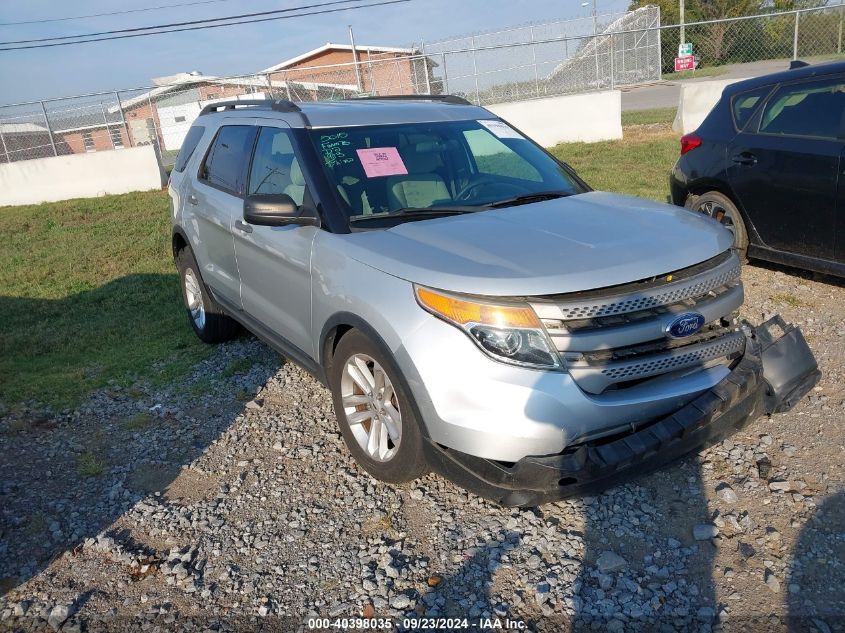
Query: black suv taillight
<point>689,142</point>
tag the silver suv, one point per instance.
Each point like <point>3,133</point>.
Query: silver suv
<point>473,306</point>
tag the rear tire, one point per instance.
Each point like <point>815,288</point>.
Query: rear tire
<point>374,411</point>
<point>207,318</point>
<point>719,207</point>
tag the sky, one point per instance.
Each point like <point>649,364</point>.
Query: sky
<point>28,75</point>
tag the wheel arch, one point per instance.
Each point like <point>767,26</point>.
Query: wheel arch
<point>340,324</point>
<point>335,328</point>
<point>179,240</point>
<point>706,185</point>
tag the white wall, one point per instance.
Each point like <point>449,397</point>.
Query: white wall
<point>589,117</point>
<point>81,176</point>
<point>696,100</point>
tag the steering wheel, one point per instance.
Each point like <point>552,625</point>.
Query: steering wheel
<point>466,192</point>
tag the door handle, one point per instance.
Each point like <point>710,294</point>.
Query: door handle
<point>745,158</point>
<point>243,226</point>
<point>193,199</point>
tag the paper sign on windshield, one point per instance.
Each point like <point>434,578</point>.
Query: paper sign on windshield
<point>382,161</point>
<point>501,129</point>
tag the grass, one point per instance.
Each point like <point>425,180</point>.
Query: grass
<point>787,299</point>
<point>237,367</point>
<point>638,165</point>
<point>89,295</point>
<point>89,465</point>
<point>90,298</point>
<point>654,116</point>
<point>138,422</point>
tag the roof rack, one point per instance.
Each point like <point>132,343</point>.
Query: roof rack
<point>279,105</point>
<point>424,97</point>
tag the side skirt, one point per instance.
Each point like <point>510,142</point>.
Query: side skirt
<point>278,343</point>
<point>824,266</point>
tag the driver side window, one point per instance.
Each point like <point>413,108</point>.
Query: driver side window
<point>275,167</point>
<point>497,159</point>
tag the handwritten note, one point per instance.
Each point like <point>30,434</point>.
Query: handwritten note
<point>333,147</point>
<point>382,161</point>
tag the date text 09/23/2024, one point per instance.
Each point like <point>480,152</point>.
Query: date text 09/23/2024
<point>416,624</point>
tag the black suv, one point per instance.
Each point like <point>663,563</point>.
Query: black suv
<point>768,163</point>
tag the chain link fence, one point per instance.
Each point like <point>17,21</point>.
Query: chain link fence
<point>552,58</point>
<point>525,62</point>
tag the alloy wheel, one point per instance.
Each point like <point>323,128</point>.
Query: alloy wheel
<point>371,407</point>
<point>718,213</point>
<point>193,297</point>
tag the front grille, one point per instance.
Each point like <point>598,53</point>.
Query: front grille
<point>618,337</point>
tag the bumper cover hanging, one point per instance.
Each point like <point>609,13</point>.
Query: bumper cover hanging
<point>774,374</point>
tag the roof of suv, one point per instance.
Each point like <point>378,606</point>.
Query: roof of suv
<point>791,74</point>
<point>351,112</point>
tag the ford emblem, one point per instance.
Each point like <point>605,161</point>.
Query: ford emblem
<point>685,324</point>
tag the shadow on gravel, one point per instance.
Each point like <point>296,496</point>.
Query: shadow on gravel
<point>816,578</point>
<point>643,568</point>
<point>467,593</point>
<point>66,477</point>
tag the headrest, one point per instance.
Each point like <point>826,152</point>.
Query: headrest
<point>296,176</point>
<point>422,158</point>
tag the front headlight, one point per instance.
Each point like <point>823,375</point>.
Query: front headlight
<point>509,332</point>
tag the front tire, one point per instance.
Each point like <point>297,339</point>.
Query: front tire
<point>719,207</point>
<point>374,411</point>
<point>207,318</point>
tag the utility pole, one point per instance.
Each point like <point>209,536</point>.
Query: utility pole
<point>683,35</point>
<point>355,61</point>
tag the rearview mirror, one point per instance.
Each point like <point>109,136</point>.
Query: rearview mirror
<point>277,209</point>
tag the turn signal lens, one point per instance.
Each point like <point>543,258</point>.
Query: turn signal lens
<point>461,312</point>
<point>508,333</point>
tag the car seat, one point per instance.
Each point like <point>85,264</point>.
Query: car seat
<point>422,186</point>
<point>296,188</point>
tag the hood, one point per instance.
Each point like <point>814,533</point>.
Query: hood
<point>582,242</point>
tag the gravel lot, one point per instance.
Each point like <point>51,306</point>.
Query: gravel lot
<point>231,498</point>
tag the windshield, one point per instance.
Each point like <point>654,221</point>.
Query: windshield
<point>460,165</point>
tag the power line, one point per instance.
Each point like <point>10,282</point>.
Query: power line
<point>207,26</point>
<point>177,24</point>
<point>110,13</point>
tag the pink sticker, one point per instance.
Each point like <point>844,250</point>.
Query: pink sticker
<point>382,161</point>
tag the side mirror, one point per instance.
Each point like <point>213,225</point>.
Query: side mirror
<point>277,209</point>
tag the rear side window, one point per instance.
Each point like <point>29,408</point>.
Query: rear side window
<point>811,109</point>
<point>192,139</point>
<point>225,164</point>
<point>745,105</point>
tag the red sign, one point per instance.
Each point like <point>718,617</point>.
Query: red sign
<point>684,63</point>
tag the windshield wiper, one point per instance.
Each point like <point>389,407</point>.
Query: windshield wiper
<point>416,212</point>
<point>529,197</point>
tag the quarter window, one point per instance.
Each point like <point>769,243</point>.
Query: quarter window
<point>225,164</point>
<point>812,109</point>
<point>192,138</point>
<point>745,105</point>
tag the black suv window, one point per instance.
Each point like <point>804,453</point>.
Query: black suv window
<point>812,109</point>
<point>192,138</point>
<point>226,162</point>
<point>745,105</point>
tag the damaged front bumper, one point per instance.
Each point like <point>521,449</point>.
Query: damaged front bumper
<point>777,370</point>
